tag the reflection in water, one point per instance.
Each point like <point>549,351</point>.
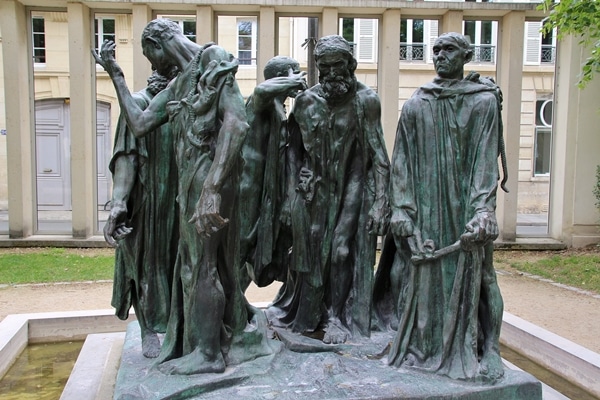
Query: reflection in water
<point>556,382</point>
<point>40,372</point>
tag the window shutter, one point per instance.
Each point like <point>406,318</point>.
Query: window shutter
<point>533,43</point>
<point>366,41</point>
<point>433,35</point>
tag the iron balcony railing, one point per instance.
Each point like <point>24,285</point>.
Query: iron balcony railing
<point>548,55</point>
<point>484,53</point>
<point>412,51</point>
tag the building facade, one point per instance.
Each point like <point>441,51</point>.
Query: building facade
<point>58,110</point>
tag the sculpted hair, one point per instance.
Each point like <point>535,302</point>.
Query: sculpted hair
<point>338,45</point>
<point>279,65</point>
<point>161,28</point>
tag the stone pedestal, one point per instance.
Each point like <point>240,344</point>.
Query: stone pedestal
<point>350,371</point>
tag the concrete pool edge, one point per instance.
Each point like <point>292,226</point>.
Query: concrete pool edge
<point>563,357</point>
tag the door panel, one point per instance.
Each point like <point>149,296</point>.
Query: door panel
<point>53,154</point>
<point>52,143</point>
<point>103,153</point>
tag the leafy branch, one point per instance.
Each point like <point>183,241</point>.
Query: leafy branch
<point>580,18</point>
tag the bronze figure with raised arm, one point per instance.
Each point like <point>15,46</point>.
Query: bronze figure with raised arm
<point>210,318</point>
<point>265,235</point>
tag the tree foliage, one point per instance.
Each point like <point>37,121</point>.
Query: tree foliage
<point>580,18</point>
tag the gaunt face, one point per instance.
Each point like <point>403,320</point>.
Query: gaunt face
<point>449,58</point>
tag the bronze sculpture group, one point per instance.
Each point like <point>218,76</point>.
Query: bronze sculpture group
<point>264,195</point>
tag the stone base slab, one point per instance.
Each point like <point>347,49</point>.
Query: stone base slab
<point>351,371</point>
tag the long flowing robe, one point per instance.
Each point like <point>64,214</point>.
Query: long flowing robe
<point>444,171</point>
<point>264,240</point>
<point>210,317</point>
<point>343,146</point>
<point>145,259</point>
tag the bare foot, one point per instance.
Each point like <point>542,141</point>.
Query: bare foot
<point>150,345</point>
<point>335,332</point>
<point>193,363</point>
<point>491,366</point>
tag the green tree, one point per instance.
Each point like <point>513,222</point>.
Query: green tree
<point>580,18</point>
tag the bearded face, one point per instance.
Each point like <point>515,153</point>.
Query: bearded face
<point>337,86</point>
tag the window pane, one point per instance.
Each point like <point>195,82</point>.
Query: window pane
<point>39,55</point>
<point>245,43</point>
<point>417,31</point>
<point>189,28</point>
<point>486,32</point>
<point>245,57</point>
<point>348,29</point>
<point>245,27</point>
<point>39,40</point>
<point>403,36</point>
<point>470,31</point>
<point>543,113</point>
<point>38,24</point>
<point>109,26</point>
<point>543,138</point>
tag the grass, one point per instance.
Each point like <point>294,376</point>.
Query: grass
<point>19,266</point>
<point>573,268</point>
<point>580,269</point>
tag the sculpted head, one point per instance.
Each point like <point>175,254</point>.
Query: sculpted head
<point>155,38</point>
<point>451,51</point>
<point>280,66</point>
<point>336,64</point>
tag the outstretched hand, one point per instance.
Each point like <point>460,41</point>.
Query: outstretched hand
<point>106,58</point>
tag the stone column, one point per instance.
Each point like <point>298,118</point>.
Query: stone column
<point>329,22</point>
<point>573,216</point>
<point>141,15</point>
<point>83,121</point>
<point>509,76</point>
<point>266,44</point>
<point>452,21</point>
<point>388,80</point>
<point>205,25</point>
<point>18,79</point>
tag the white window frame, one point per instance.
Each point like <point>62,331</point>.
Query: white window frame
<point>426,38</point>
<point>546,129</point>
<point>180,20</point>
<point>366,42</point>
<point>99,34</point>
<point>532,48</point>
<point>33,34</point>
<point>364,39</point>
<point>253,39</point>
<point>476,41</point>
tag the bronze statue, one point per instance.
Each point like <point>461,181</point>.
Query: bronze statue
<point>211,324</point>
<point>337,199</point>
<point>265,231</point>
<point>143,222</point>
<point>443,200</point>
